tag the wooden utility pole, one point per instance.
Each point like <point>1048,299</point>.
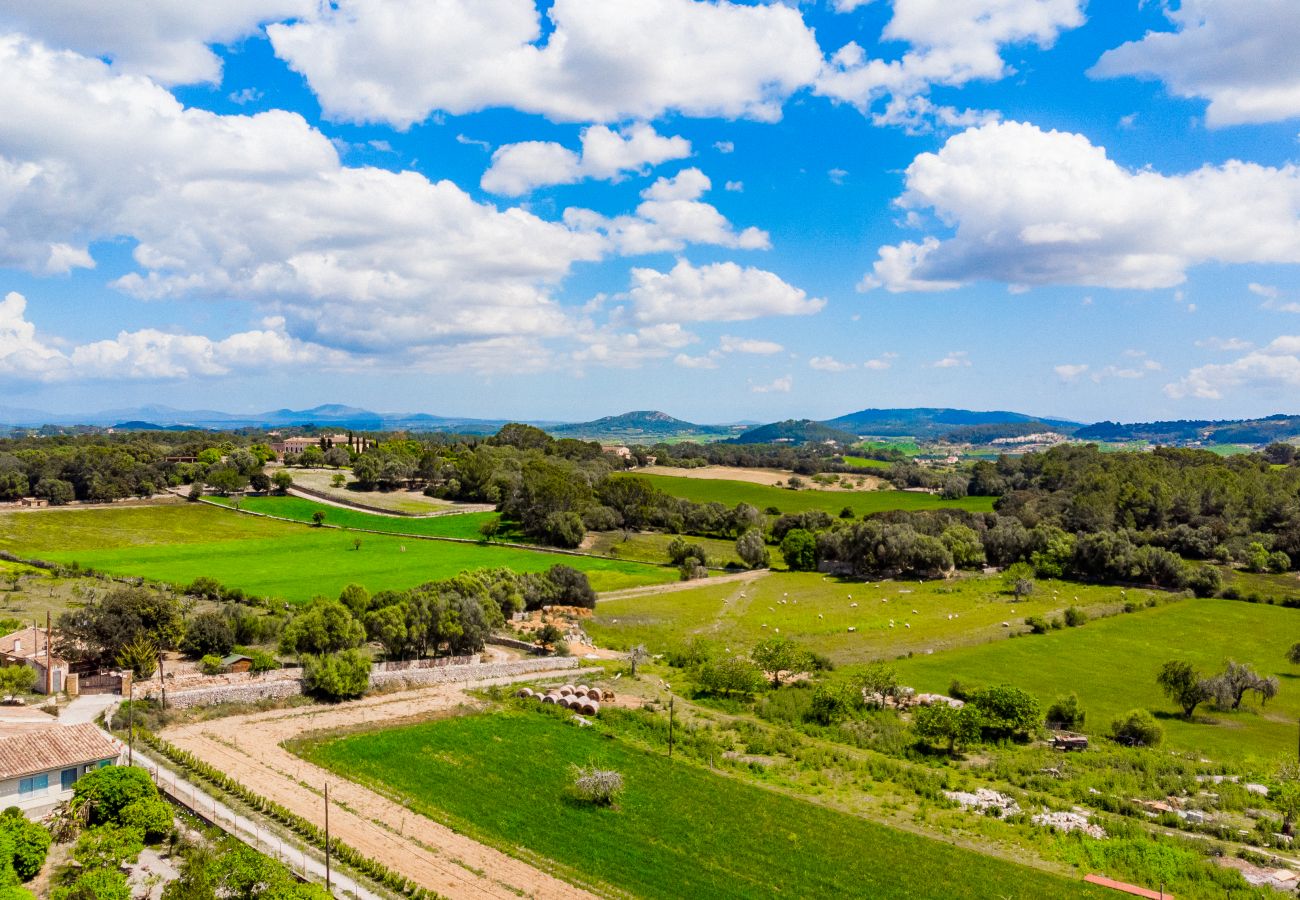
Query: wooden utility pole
<point>671,700</point>
<point>327,837</point>
<point>49,668</point>
<point>130,724</point>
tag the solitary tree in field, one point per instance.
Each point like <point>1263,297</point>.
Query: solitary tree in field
<point>1293,655</point>
<point>1184,685</point>
<point>636,656</point>
<point>751,549</point>
<point>318,517</point>
<point>776,655</point>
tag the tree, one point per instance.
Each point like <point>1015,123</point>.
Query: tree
<point>947,724</point>
<point>338,676</point>
<point>1284,795</point>
<point>751,549</point>
<point>680,550</point>
<point>799,548</point>
<point>338,457</point>
<point>636,656</point>
<point>876,682</point>
<point>1205,581</point>
<point>356,598</point>
<point>318,518</point>
<point>104,793</point>
<point>1137,728</point>
<point>964,545</point>
<point>16,680</point>
<point>1066,713</point>
<point>1229,687</point>
<point>324,627</point>
<point>572,588</point>
<point>1293,655</point>
<point>99,632</point>
<point>208,633</point>
<point>778,654</point>
<point>1183,684</point>
<point>55,490</point>
<point>30,844</point>
<point>140,656</point>
<point>1007,711</point>
<point>833,701</point>
<point>729,675</point>
<point>282,481</point>
<point>339,480</point>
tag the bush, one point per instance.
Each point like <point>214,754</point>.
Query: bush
<point>833,701</point>
<point>597,786</point>
<point>751,549</point>
<point>729,675</point>
<point>1074,617</point>
<point>152,818</point>
<point>337,676</point>
<point>680,550</point>
<point>1007,711</point>
<point>107,847</point>
<point>1205,581</point>
<point>262,662</point>
<point>210,665</point>
<point>1066,713</point>
<point>1037,624</point>
<point>1137,728</point>
<point>30,843</point>
<point>105,792</point>
<point>99,884</point>
<point>208,633</point>
<point>799,548</point>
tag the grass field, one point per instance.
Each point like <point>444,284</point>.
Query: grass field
<point>678,830</point>
<point>1112,665</point>
<point>862,462</point>
<point>653,547</point>
<point>179,543</point>
<point>817,612</point>
<point>730,493</point>
<point>460,525</point>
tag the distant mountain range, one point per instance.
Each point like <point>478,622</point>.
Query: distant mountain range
<point>651,426</point>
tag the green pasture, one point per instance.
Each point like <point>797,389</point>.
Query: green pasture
<point>1112,665</point>
<point>817,611</point>
<point>678,830</point>
<point>862,462</point>
<point>705,490</point>
<point>396,501</point>
<point>649,546</point>
<point>179,543</point>
<point>457,525</point>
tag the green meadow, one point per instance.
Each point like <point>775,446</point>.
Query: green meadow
<point>678,830</point>
<point>177,544</point>
<point>862,462</point>
<point>817,611</point>
<point>456,525</point>
<point>705,490</point>
<point>1112,664</point>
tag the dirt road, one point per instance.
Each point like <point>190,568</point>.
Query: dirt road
<point>648,590</point>
<point>249,748</point>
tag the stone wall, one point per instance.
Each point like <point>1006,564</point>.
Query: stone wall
<point>252,691</point>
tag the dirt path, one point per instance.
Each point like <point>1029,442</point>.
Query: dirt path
<point>249,748</point>
<point>769,477</point>
<point>458,509</point>
<point>628,593</point>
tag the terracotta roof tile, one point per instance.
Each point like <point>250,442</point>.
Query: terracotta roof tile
<point>56,747</point>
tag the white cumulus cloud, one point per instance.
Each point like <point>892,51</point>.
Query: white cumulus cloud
<point>1032,207</point>
<point>1276,365</point>
<point>780,385</point>
<point>606,155</point>
<point>1240,55</point>
<point>397,61</point>
<point>829,364</point>
<point>717,292</point>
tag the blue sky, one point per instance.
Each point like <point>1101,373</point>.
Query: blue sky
<point>726,211</point>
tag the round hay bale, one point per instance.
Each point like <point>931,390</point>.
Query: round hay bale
<point>570,702</point>
<point>566,690</point>
<point>581,690</point>
<point>594,694</point>
<point>524,693</point>
<point>550,698</point>
<point>590,707</point>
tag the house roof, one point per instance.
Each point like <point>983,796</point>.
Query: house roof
<point>15,719</point>
<point>27,644</point>
<point>234,658</point>
<point>55,747</point>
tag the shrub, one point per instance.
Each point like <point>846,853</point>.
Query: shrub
<point>729,675</point>
<point>1066,713</point>
<point>799,548</point>
<point>1037,624</point>
<point>1074,617</point>
<point>30,843</point>
<point>751,549</point>
<point>262,662</point>
<point>680,550</point>
<point>208,633</point>
<point>152,818</point>
<point>105,792</point>
<point>1007,711</point>
<point>1205,581</point>
<point>1137,728</point>
<point>108,847</point>
<point>210,665</point>
<point>833,701</point>
<point>337,676</point>
<point>99,884</point>
<point>600,787</point>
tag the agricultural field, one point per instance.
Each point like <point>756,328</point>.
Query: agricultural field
<point>1112,665</point>
<point>179,543</point>
<point>817,611</point>
<point>862,462</point>
<point>1264,586</point>
<point>679,830</point>
<point>651,546</point>
<point>458,525</point>
<point>762,496</point>
<point>395,501</point>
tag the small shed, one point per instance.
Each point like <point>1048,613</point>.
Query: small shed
<point>237,662</point>
<point>1068,741</point>
<point>33,502</point>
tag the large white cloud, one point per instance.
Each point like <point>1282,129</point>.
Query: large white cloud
<point>164,39</point>
<point>146,354</point>
<point>1032,207</point>
<point>951,42</point>
<point>397,61</point>
<point>719,292</point>
<point>259,208</point>
<point>606,155</point>
<point>1276,365</point>
<point>1238,54</point>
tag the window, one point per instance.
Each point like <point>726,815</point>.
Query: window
<point>67,778</point>
<point>34,786</point>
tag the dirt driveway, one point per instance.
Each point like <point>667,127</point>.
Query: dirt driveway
<point>769,477</point>
<point>249,749</point>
